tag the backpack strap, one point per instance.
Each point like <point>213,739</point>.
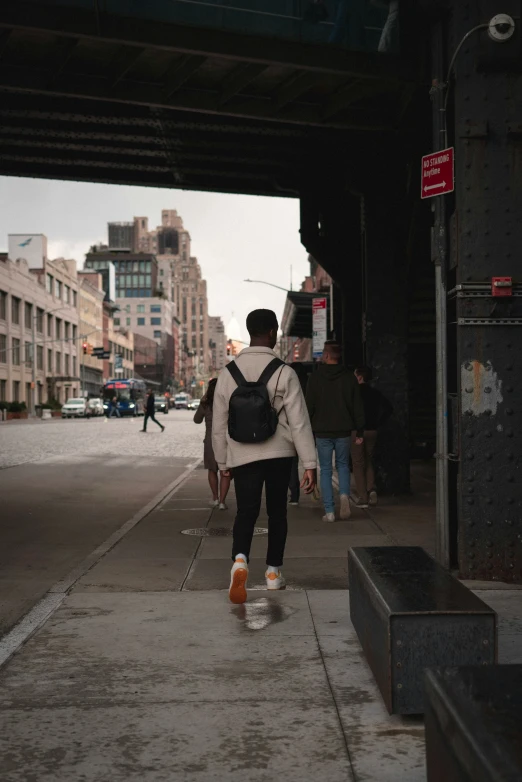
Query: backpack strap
<point>269,370</point>
<point>236,373</point>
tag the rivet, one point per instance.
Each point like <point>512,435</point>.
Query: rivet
<point>511,478</point>
<point>489,566</point>
<point>489,501</point>
<point>470,489</point>
<point>470,501</point>
<point>472,543</point>
<point>510,501</point>
<point>470,478</point>
<point>510,433</point>
<point>489,477</point>
<point>399,643</point>
<point>489,523</point>
<point>509,389</point>
<point>489,543</point>
<point>490,555</point>
<point>470,434</point>
<point>509,411</point>
<point>471,523</point>
<point>509,522</point>
<point>399,665</point>
<point>489,457</point>
<point>485,642</point>
<point>511,565</point>
<point>487,434</point>
<point>470,457</point>
<point>471,555</point>
<point>469,390</point>
<point>399,686</point>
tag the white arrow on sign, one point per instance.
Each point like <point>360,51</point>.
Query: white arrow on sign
<point>434,187</point>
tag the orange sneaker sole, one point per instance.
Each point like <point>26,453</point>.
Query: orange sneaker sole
<point>237,592</point>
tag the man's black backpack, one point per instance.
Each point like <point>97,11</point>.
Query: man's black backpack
<point>251,416</point>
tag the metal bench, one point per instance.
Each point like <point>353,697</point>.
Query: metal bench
<point>410,614</point>
<point>474,724</point>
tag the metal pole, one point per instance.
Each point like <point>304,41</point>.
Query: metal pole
<point>439,253</point>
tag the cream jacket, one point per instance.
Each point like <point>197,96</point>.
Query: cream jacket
<point>294,433</point>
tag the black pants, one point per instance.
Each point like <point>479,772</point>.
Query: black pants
<point>293,483</point>
<point>152,418</point>
<point>249,480</point>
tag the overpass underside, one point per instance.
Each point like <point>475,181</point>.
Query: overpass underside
<point>89,92</point>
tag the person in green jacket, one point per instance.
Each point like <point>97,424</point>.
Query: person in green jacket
<point>336,409</point>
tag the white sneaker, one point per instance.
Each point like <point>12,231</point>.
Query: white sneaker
<point>275,580</point>
<point>238,578</point>
<point>373,498</point>
<point>329,517</point>
<point>223,506</point>
<point>346,511</point>
<point>214,503</point>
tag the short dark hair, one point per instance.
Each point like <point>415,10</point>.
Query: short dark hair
<point>364,372</point>
<point>333,349</point>
<point>261,322</point>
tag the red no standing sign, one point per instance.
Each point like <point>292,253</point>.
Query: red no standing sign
<point>437,173</point>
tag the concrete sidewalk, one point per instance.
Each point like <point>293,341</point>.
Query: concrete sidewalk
<point>146,672</point>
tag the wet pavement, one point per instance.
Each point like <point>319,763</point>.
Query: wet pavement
<point>138,667</point>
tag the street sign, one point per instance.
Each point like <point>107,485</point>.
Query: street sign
<point>98,351</point>
<point>319,326</point>
<point>438,176</point>
<point>106,354</point>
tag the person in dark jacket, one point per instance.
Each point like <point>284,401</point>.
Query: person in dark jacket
<point>377,410</point>
<point>150,411</point>
<point>294,484</point>
<point>336,410</point>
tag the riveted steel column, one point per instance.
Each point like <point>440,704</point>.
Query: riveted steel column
<point>487,135</point>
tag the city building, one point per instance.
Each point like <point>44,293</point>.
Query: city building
<point>179,281</point>
<point>90,311</point>
<point>38,324</point>
<point>142,305</point>
<point>148,360</point>
<point>217,343</point>
<point>121,348</point>
<point>296,323</point>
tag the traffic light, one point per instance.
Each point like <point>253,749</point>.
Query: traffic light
<point>229,348</point>
<point>85,348</point>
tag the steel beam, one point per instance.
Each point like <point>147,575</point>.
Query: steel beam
<point>487,337</point>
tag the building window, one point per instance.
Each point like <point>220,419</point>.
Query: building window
<point>74,298</point>
<point>111,371</point>
<point>141,308</point>
<point>74,331</point>
<point>15,345</point>
<point>66,329</point>
<point>49,361</point>
<point>39,357</point>
<point>130,355</point>
<point>49,325</point>
<point>58,362</point>
<point>49,283</point>
<point>66,294</point>
<point>74,365</point>
<point>161,272</point>
<point>127,321</point>
<point>3,390</point>
<point>28,316</point>
<point>155,321</point>
<point>3,349</point>
<point>66,363</point>
<point>157,335</point>
<point>16,390</point>
<point>58,289</point>
<point>3,305</point>
<point>141,321</point>
<point>39,320</point>
<point>58,328</point>
<point>116,321</point>
<point>15,310</point>
<point>28,353</point>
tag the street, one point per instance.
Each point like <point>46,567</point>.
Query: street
<point>75,438</point>
<point>68,485</point>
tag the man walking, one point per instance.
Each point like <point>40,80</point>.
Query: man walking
<point>114,408</point>
<point>150,411</point>
<point>336,409</point>
<point>260,422</point>
<point>377,410</point>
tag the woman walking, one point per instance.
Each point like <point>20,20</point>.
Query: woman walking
<point>219,487</point>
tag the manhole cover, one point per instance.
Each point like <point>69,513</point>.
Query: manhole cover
<point>218,532</point>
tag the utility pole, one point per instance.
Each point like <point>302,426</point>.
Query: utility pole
<point>33,351</point>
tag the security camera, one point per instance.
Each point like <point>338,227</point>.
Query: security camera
<point>501,28</point>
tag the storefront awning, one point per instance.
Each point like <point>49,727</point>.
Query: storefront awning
<point>297,315</point>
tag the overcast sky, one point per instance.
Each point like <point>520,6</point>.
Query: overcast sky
<point>233,236</point>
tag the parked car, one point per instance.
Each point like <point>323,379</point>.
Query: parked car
<point>161,405</point>
<point>76,408</point>
<point>95,406</point>
<point>194,404</point>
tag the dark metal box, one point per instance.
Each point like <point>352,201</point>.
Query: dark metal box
<point>474,724</point>
<point>410,614</point>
